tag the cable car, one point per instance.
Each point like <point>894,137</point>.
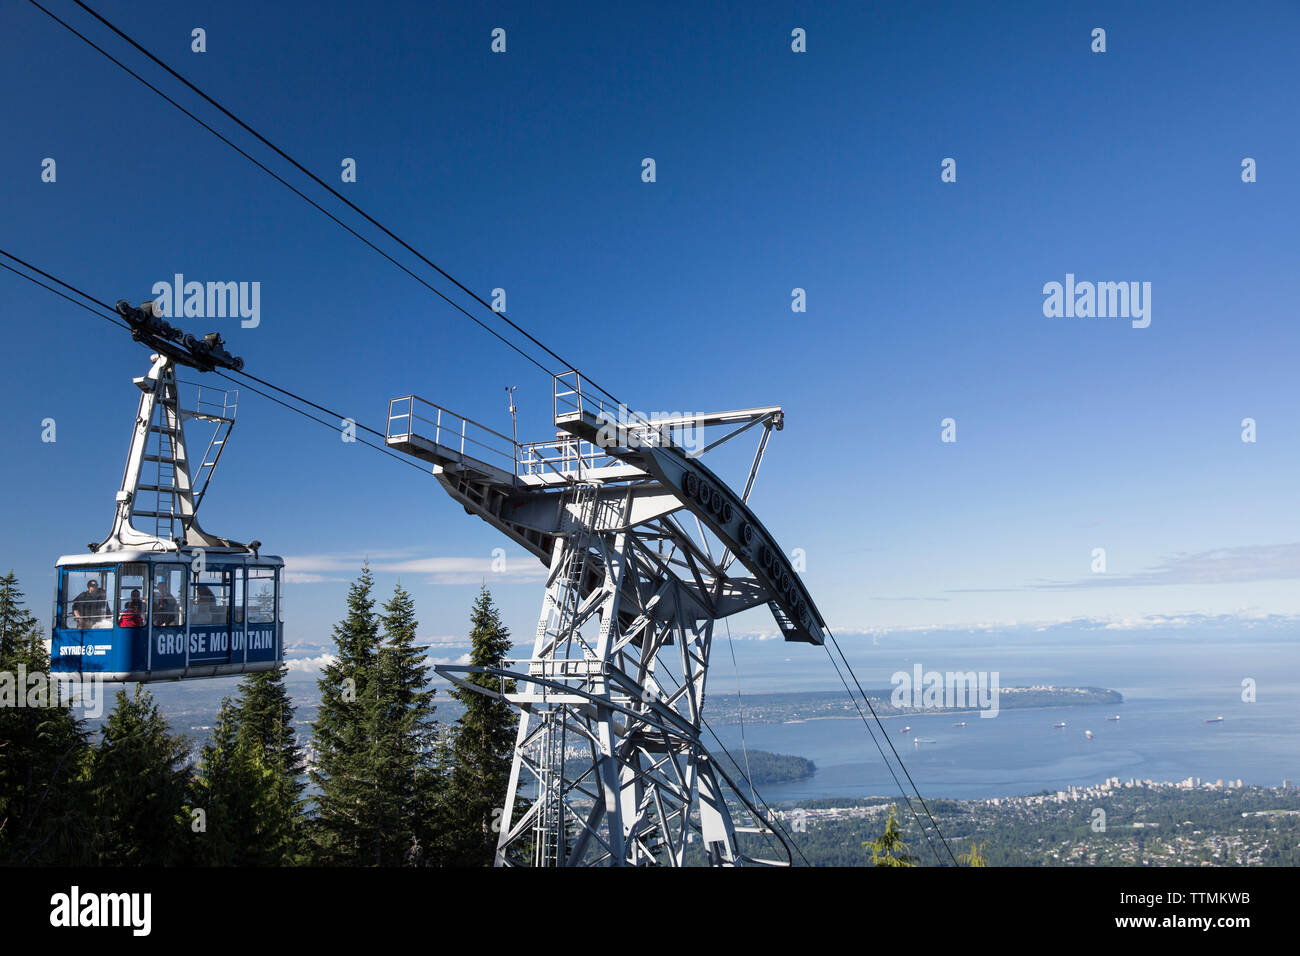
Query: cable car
<point>135,615</point>
<point>160,598</point>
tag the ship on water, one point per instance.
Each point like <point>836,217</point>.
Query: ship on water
<point>1116,717</point>
<point>1213,720</point>
<point>1087,734</point>
<point>960,723</point>
<point>1058,726</point>
<point>905,730</point>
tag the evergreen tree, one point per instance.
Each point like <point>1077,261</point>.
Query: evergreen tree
<point>376,766</point>
<point>482,745</point>
<point>19,630</point>
<point>138,778</point>
<point>345,823</point>
<point>42,750</point>
<point>888,849</point>
<point>251,811</point>
<point>264,712</point>
<point>401,711</point>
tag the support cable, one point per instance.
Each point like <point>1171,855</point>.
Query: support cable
<point>324,185</point>
<point>889,741</point>
<point>112,319</point>
<point>291,187</point>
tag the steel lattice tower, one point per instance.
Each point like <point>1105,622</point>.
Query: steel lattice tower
<point>645,548</point>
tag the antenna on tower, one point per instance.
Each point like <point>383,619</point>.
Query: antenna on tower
<point>514,424</point>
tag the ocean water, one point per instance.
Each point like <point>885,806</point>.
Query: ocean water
<point>1171,684</point>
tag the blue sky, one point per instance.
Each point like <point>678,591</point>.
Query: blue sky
<point>775,170</point>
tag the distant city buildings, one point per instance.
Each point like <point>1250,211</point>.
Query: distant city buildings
<point>1073,794</point>
<point>1028,828</point>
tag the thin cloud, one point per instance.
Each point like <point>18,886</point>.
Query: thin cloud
<point>301,577</point>
<point>459,570</point>
<point>1257,562</point>
<point>921,599</point>
<point>464,570</point>
<point>1240,565</point>
<point>1245,617</point>
<point>445,640</point>
<point>349,562</point>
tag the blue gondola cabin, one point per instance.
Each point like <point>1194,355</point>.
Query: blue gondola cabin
<point>149,615</point>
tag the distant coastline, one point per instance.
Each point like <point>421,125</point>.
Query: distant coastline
<point>795,708</point>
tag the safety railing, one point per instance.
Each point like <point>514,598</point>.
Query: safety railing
<point>210,402</point>
<point>627,427</point>
<point>565,456</point>
<point>566,394</point>
<point>567,397</point>
<point>411,415</point>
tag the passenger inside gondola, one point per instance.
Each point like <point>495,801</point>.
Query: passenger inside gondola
<point>165,612</point>
<point>133,611</point>
<point>90,607</point>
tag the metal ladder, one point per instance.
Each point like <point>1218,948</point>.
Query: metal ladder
<point>550,832</point>
<point>586,500</point>
<point>173,506</point>
<point>164,481</point>
<point>546,828</point>
<point>223,422</point>
<point>208,465</point>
